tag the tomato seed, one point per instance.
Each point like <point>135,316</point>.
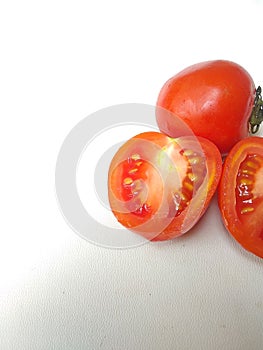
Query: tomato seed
<point>135,156</point>
<point>188,186</point>
<point>194,160</point>
<point>258,159</point>
<point>127,181</point>
<point>247,172</point>
<point>245,181</point>
<point>188,153</point>
<point>246,210</point>
<point>184,197</point>
<point>132,171</point>
<point>192,177</point>
<point>252,164</point>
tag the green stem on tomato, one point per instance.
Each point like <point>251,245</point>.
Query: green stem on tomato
<point>256,117</point>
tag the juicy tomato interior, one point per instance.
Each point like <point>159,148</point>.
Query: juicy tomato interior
<point>134,176</point>
<point>249,194</point>
<point>242,209</point>
<point>152,181</point>
<point>194,176</point>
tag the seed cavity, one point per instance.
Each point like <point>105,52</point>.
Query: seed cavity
<point>143,210</point>
<point>245,198</point>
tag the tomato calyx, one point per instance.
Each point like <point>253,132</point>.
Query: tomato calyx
<point>256,117</point>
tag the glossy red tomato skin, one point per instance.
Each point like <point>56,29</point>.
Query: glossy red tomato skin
<point>246,228</point>
<point>215,98</point>
<point>159,189</point>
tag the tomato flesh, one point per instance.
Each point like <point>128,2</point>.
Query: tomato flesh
<point>134,174</point>
<point>241,194</point>
<point>159,187</point>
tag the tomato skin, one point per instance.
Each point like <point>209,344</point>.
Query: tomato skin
<point>161,167</point>
<point>215,98</point>
<point>244,163</point>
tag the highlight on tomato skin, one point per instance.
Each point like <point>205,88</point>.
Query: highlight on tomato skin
<point>217,99</point>
<point>240,194</point>
<point>159,187</point>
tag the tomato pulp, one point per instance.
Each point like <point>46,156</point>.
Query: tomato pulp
<point>159,187</point>
<point>241,194</point>
<point>215,98</point>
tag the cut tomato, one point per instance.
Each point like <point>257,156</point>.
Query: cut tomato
<point>159,187</point>
<point>241,194</point>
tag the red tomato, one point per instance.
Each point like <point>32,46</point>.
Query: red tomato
<point>214,98</point>
<point>159,187</point>
<point>241,194</point>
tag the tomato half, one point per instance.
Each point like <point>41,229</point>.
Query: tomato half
<point>215,98</point>
<point>241,194</point>
<point>159,187</point>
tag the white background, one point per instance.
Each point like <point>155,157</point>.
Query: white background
<point>61,61</point>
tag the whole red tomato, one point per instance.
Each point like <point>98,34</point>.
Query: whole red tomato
<point>215,98</point>
<point>240,194</point>
<point>159,187</point>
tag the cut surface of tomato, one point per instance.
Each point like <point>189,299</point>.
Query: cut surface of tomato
<point>241,194</point>
<point>159,187</point>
